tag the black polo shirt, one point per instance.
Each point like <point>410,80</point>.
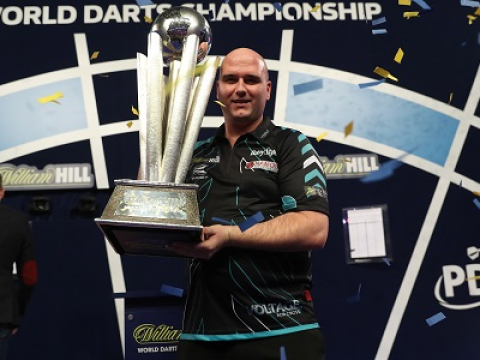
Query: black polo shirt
<point>244,293</point>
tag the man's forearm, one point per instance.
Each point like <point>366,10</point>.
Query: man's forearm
<point>296,231</point>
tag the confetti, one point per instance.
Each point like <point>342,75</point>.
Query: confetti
<point>220,103</point>
<point>348,129</point>
<point>476,193</point>
<point>385,260</point>
<point>477,203</point>
<point>399,56</point>
<point>435,319</point>
<point>473,252</point>
<point>470,3</point>
<point>370,84</point>
<point>321,136</point>
<point>170,290</point>
<point>405,2</point>
<point>307,87</point>
<point>283,354</point>
<point>385,171</point>
<point>211,15</point>
<point>410,14</point>
<point>355,298</point>
<point>144,2</point>
<point>315,9</point>
<point>384,73</point>
<point>278,6</point>
<point>103,75</point>
<point>477,12</point>
<point>422,4</point>
<point>51,98</point>
<point>94,55</point>
<point>130,123</point>
<point>134,111</point>
<point>450,98</point>
<point>252,220</point>
<point>379,31</point>
<point>473,278</point>
<point>220,220</point>
<point>471,19</point>
<point>379,21</point>
<point>147,19</point>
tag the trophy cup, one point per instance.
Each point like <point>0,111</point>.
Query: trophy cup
<point>144,216</point>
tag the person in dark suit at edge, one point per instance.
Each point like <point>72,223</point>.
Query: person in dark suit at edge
<point>15,248</point>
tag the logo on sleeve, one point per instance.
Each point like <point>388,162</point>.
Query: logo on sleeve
<point>315,191</point>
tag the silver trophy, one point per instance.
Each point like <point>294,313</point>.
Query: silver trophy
<point>144,216</point>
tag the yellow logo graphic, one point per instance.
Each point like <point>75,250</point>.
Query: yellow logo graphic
<point>149,333</point>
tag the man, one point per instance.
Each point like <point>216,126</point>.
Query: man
<point>250,279</point>
<point>15,247</point>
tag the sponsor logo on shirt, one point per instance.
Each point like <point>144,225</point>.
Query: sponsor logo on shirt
<point>315,191</point>
<point>279,309</point>
<point>215,159</point>
<point>270,166</point>
<point>262,152</point>
<point>199,172</point>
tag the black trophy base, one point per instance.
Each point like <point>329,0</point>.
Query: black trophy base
<point>131,240</point>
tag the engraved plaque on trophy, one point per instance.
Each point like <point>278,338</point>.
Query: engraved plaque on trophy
<point>144,216</point>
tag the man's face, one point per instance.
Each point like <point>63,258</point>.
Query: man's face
<point>243,87</point>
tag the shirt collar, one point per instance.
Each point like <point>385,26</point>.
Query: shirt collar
<point>260,132</point>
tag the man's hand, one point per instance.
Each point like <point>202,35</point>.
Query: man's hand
<point>213,239</point>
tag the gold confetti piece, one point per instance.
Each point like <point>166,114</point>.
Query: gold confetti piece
<point>51,98</point>
<point>348,129</point>
<point>220,103</point>
<point>473,278</point>
<point>384,73</point>
<point>450,98</point>
<point>477,12</point>
<point>148,20</point>
<point>130,123</point>
<point>315,9</point>
<point>321,136</point>
<point>410,14</point>
<point>103,75</point>
<point>347,160</point>
<point>94,55</point>
<point>471,18</point>
<point>399,56</point>
<point>134,111</point>
<point>476,193</point>
<point>405,2</point>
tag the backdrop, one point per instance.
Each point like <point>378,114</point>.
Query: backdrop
<point>388,93</point>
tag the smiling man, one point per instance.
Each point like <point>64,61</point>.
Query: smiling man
<point>263,203</point>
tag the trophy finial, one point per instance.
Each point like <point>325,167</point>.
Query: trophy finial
<point>174,25</point>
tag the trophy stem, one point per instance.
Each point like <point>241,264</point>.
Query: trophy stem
<point>174,68</point>
<point>155,106</point>
<point>182,92</point>
<point>195,116</point>
<point>142,114</point>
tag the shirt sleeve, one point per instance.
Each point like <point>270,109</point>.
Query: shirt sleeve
<point>302,179</point>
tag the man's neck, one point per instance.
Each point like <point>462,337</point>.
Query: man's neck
<point>233,130</point>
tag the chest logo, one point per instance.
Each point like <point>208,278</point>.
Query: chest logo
<point>270,166</point>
